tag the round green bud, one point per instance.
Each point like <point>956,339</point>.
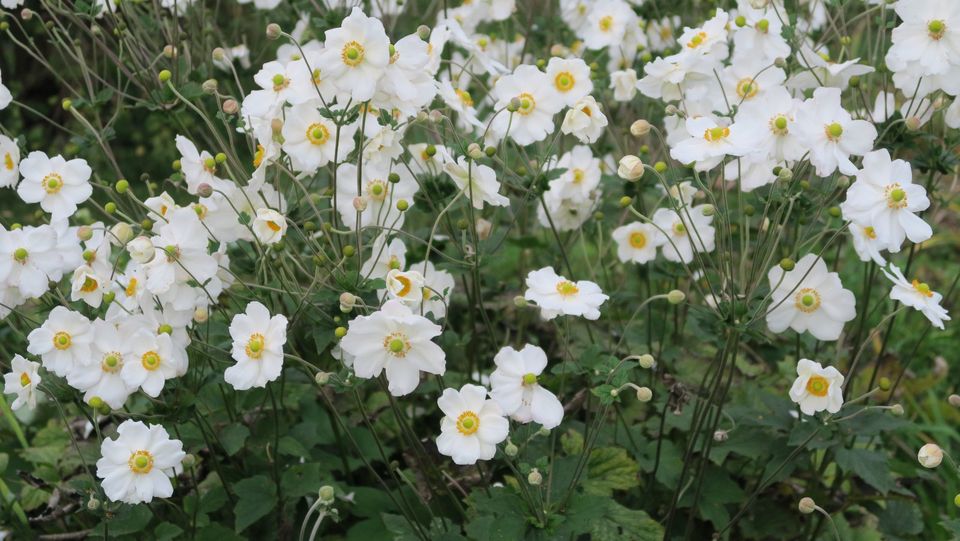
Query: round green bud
<point>625,201</point>
<point>122,186</point>
<point>834,212</point>
<point>110,207</point>
<point>165,329</point>
<point>393,178</point>
<point>884,384</point>
<point>108,297</point>
<point>220,157</point>
<point>164,76</point>
<point>787,264</point>
<point>146,225</point>
<point>340,332</point>
<point>660,167</point>
<point>740,21</point>
<point>490,151</point>
<point>349,251</point>
<point>402,205</point>
<point>67,104</point>
<point>676,296</point>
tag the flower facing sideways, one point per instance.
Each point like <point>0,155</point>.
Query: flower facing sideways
<point>136,467</point>
<point>918,295</point>
<point>555,295</point>
<point>397,341</point>
<point>22,380</point>
<point>809,299</point>
<point>258,341</point>
<point>515,387</point>
<point>817,388</point>
<point>472,425</point>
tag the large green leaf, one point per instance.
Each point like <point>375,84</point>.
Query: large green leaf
<point>257,496</point>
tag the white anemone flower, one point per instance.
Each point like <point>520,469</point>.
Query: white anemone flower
<point>917,295</point>
<point>57,184</point>
<point>63,341</point>
<point>555,295</point>
<point>258,340</point>
<point>809,298</point>
<point>515,386</point>
<point>137,465</point>
<point>22,380</point>
<point>397,341</point>
<point>472,425</point>
<point>817,388</point>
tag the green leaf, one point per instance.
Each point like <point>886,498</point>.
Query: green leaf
<point>609,469</point>
<point>571,442</point>
<point>130,519</point>
<point>871,466</point>
<point>257,497</point>
<point>500,515</point>
<point>623,524</point>
<point>233,437</point>
<point>33,498</point>
<point>900,520</point>
<point>165,531</point>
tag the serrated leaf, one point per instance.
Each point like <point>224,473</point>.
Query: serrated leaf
<point>233,437</point>
<point>609,469</point>
<point>257,496</point>
<point>871,466</point>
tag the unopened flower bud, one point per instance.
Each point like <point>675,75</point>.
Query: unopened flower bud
<point>360,203</point>
<point>326,494</point>
<point>85,233</point>
<point>535,478</point>
<point>120,233</point>
<point>201,314</point>
<point>644,394</point>
<point>273,31</point>
<point>219,54</point>
<point>630,168</point>
<point>340,332</point>
<point>484,227</point>
<point>347,301</point>
<point>510,449</point>
<point>807,505</point>
<point>210,86</point>
<point>785,174</point>
<point>164,76</point>
<point>423,31</point>
<point>930,455</point>
<point>646,361</point>
<point>676,296</point>
<point>322,377</point>
<point>787,264</point>
<point>780,62</point>
<point>93,503</point>
<point>474,151</point>
<point>204,190</point>
<point>514,105</point>
<point>671,110</point>
<point>230,107</point>
<point>170,51</point>
<point>912,123</point>
<point>896,410</point>
<point>720,436</point>
<point>625,201</point>
<point>884,384</point>
<point>707,209</point>
<point>141,250</point>
<point>954,400</point>
<point>520,302</point>
<point>639,128</point>
<point>189,460</point>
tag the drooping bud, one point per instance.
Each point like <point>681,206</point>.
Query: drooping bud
<point>630,168</point>
<point>807,505</point>
<point>535,478</point>
<point>676,296</point>
<point>930,455</point>
<point>644,394</point>
<point>646,361</point>
<point>273,31</point>
<point>639,128</point>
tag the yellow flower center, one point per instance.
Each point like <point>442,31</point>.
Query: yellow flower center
<point>747,88</point>
<point>255,346</point>
<point>8,161</point>
<point>896,196</point>
<point>833,131</point>
<point>257,159</point>
<point>638,240</point>
<point>936,29</point>
<point>870,232</point>
<point>352,54</point>
<point>396,344</point>
<point>807,300</point>
<point>131,288</point>
<point>52,183</point>
<point>112,362</point>
<point>394,54</point>
<point>578,175</point>
<point>564,81</point>
<point>318,134</point>
<point>529,378</point>
<point>150,360</point>
<point>280,82</point>
<point>200,209</point>
<point>62,340</point>
<point>697,40</point>
<point>567,288</point>
<point>465,97</point>
<point>922,288</point>
<point>716,134</point>
<point>468,422</point>
<point>90,284</point>
<point>273,226</point>
<point>406,285</point>
<point>140,462</point>
<point>527,103</point>
<point>377,189</point>
<point>605,23</point>
<point>20,255</point>
<point>24,379</point>
<point>316,76</point>
<point>818,386</point>
<point>778,125</point>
